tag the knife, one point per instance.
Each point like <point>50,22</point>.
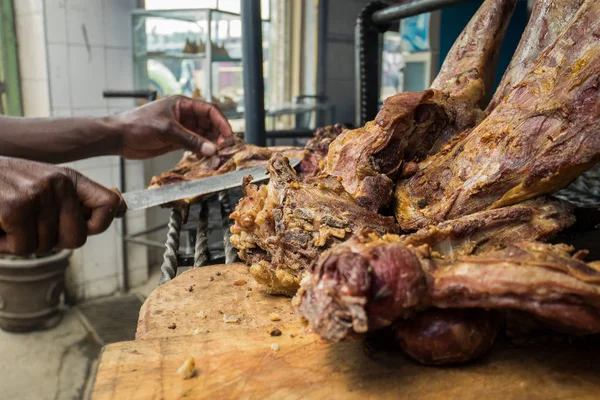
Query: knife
<point>143,199</point>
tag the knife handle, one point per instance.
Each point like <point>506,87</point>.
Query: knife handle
<point>122,207</point>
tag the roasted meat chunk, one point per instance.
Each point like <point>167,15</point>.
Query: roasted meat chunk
<point>233,154</point>
<point>412,125</point>
<point>539,219</point>
<point>536,141</point>
<point>281,228</point>
<point>368,283</point>
<point>315,151</point>
<point>447,336</point>
<point>469,70</point>
<point>548,20</point>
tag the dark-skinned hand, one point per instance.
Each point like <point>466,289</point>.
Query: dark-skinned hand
<point>169,124</point>
<point>43,207</point>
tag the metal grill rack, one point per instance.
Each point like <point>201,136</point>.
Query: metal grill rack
<point>208,234</point>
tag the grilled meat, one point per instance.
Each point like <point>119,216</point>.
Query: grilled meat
<point>539,219</point>
<point>235,154</point>
<point>548,20</point>
<point>368,283</point>
<point>412,125</point>
<point>281,228</point>
<point>536,141</point>
<point>451,336</point>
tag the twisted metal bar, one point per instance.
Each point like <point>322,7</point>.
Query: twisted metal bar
<point>201,255</point>
<point>169,265</point>
<point>230,251</point>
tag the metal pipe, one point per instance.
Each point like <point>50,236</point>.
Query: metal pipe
<point>130,94</point>
<point>208,90</point>
<point>290,133</point>
<point>410,8</point>
<point>252,64</point>
<point>368,55</point>
<point>124,249</point>
<point>321,53</point>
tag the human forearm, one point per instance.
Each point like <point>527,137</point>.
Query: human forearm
<point>161,126</point>
<point>59,140</point>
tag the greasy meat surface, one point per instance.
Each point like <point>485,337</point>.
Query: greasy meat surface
<point>469,198</point>
<point>412,125</point>
<point>547,21</point>
<point>315,152</point>
<point>406,128</point>
<point>233,154</point>
<point>360,285</point>
<point>541,279</point>
<point>368,283</point>
<point>539,138</point>
<point>538,219</point>
<point>450,336</point>
<point>469,69</point>
<point>281,228</point>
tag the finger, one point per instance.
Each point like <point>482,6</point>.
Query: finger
<point>208,115</point>
<point>5,212</point>
<point>191,141</point>
<point>22,239</point>
<point>4,247</point>
<point>17,225</point>
<point>102,202</point>
<point>47,222</point>
<point>72,229</point>
<point>218,121</point>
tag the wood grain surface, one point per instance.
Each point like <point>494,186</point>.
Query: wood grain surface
<point>217,291</point>
<point>237,361</point>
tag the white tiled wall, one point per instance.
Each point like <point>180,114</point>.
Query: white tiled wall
<point>29,20</point>
<point>69,52</point>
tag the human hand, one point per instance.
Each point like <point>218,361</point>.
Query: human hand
<point>172,123</point>
<point>43,207</point>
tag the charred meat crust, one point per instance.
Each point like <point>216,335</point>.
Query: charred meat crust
<point>292,221</point>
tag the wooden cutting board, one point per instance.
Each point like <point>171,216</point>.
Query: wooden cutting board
<point>237,361</point>
<point>217,291</point>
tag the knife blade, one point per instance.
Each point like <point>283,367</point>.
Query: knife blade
<point>143,199</point>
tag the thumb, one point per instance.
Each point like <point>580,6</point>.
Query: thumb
<point>191,141</point>
<point>102,203</point>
